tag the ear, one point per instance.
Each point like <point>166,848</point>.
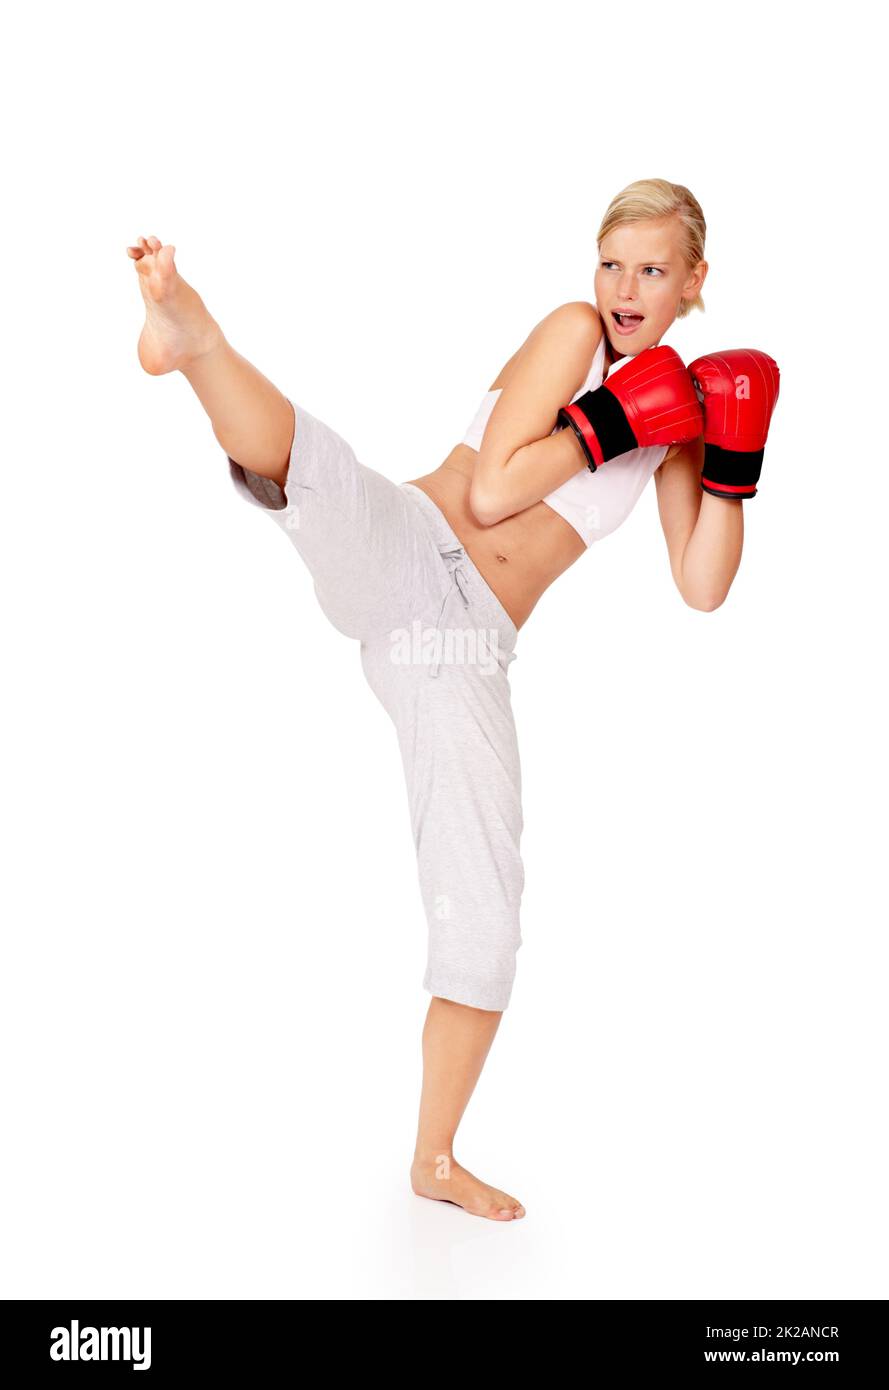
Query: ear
<point>697,278</point>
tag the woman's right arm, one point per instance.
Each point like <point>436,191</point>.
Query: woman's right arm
<point>520,461</point>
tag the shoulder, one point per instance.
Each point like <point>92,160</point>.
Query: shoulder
<point>577,320</point>
<point>558,350</point>
<point>572,332</point>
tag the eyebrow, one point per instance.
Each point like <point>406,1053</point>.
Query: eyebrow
<point>603,257</point>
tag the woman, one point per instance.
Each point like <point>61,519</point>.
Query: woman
<point>436,576</point>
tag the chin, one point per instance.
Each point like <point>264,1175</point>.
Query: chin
<point>631,346</point>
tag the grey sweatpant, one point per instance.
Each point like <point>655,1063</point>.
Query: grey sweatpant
<point>436,645</point>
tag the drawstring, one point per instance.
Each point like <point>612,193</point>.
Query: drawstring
<point>452,559</point>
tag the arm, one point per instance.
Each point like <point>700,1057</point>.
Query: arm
<point>704,534</point>
<point>520,460</point>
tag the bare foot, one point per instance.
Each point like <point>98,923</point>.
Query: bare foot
<point>178,326</point>
<point>446,1180</point>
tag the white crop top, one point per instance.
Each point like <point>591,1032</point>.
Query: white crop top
<point>593,503</point>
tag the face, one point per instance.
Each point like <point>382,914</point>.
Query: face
<point>641,270</point>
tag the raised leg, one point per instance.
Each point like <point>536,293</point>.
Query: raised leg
<point>252,420</point>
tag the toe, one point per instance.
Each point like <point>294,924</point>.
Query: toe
<point>509,1207</point>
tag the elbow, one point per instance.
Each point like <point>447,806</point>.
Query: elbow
<point>702,592</point>
<point>485,507</point>
<point>705,603</point>
<point>492,489</point>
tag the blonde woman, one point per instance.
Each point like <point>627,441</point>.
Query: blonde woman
<point>435,577</point>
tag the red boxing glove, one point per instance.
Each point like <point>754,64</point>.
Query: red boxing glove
<point>651,400</point>
<point>738,389</point>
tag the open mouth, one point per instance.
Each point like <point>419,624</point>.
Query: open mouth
<point>627,323</point>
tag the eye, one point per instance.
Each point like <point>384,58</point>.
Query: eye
<point>656,269</point>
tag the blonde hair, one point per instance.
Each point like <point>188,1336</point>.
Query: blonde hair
<point>652,198</point>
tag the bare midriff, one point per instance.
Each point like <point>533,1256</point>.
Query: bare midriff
<point>519,557</point>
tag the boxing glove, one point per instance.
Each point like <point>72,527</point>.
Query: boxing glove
<point>738,389</point>
<point>651,400</point>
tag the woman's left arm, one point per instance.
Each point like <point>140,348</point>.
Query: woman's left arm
<point>704,534</point>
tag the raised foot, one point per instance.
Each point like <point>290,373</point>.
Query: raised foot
<point>179,328</point>
<point>445,1180</point>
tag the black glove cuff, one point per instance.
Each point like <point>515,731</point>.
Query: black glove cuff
<point>730,474</point>
<point>608,421</point>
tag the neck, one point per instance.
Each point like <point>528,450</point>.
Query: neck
<point>611,356</point>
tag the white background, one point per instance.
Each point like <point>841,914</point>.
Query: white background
<point>213,944</point>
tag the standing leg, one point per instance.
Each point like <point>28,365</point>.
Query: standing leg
<point>465,789</point>
<point>462,768</point>
<point>456,1042</point>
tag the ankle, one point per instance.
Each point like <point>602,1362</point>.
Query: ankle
<point>209,343</point>
<point>429,1155</point>
<point>203,359</point>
